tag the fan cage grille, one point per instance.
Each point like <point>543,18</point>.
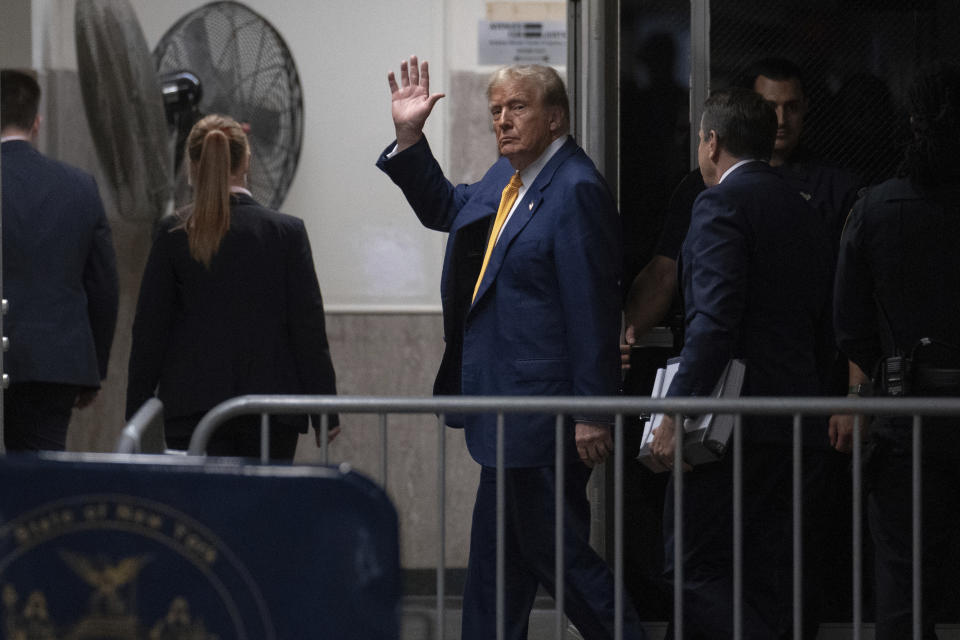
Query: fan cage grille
<point>246,72</point>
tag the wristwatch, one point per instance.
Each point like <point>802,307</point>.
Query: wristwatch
<point>862,389</point>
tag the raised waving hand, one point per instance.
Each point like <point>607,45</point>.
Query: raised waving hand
<point>411,102</point>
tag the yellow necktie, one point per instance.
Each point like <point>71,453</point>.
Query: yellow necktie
<point>506,204</point>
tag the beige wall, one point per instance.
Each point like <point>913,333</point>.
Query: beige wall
<point>15,40</point>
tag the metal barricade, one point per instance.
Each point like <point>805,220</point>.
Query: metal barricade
<point>266,405</point>
<point>144,431</point>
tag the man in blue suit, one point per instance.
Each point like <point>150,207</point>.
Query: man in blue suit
<point>756,274</point>
<point>530,293</point>
<point>59,274</point>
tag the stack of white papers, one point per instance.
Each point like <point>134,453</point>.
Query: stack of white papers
<point>705,437</point>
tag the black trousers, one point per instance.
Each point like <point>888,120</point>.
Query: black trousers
<point>767,526</point>
<point>36,415</point>
<point>239,437</point>
<point>888,476</point>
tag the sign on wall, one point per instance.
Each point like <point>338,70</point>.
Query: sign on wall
<point>540,42</point>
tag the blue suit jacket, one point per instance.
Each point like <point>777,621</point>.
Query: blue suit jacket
<point>756,274</point>
<point>546,318</point>
<point>59,271</point>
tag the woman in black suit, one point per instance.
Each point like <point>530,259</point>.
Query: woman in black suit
<point>229,305</point>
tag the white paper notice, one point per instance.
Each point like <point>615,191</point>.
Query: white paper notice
<point>535,42</point>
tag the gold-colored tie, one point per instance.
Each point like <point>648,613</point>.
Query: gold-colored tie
<point>506,204</point>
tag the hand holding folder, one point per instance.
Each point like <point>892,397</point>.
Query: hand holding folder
<point>705,437</point>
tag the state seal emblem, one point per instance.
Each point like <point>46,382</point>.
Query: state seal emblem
<point>124,568</point>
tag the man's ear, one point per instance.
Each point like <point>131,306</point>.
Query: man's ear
<point>713,146</point>
<point>35,127</point>
<point>555,118</point>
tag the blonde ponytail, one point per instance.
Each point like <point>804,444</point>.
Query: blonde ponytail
<point>216,149</point>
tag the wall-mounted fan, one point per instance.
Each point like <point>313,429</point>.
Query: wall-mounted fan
<point>221,58</point>
<point>245,70</point>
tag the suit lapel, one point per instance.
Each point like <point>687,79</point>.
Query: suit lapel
<point>524,212</point>
<point>498,176</point>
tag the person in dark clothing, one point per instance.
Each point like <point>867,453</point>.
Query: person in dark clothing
<point>896,295</point>
<point>60,275</point>
<point>654,295</point>
<point>756,268</point>
<point>229,305</point>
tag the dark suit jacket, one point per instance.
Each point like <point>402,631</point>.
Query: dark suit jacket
<point>546,318</point>
<point>59,271</point>
<point>251,323</point>
<point>756,276</point>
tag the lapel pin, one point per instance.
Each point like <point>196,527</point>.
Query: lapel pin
<point>530,206</point>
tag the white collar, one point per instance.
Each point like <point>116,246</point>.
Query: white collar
<point>236,189</point>
<point>734,168</point>
<point>530,174</point>
<point>13,137</point>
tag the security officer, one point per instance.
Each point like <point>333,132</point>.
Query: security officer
<point>897,298</point>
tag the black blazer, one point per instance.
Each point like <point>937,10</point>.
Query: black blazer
<point>252,322</point>
<point>59,271</point>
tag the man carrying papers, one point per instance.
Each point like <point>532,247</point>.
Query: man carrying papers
<point>755,269</point>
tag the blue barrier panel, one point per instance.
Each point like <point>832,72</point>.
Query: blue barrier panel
<point>169,551</point>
